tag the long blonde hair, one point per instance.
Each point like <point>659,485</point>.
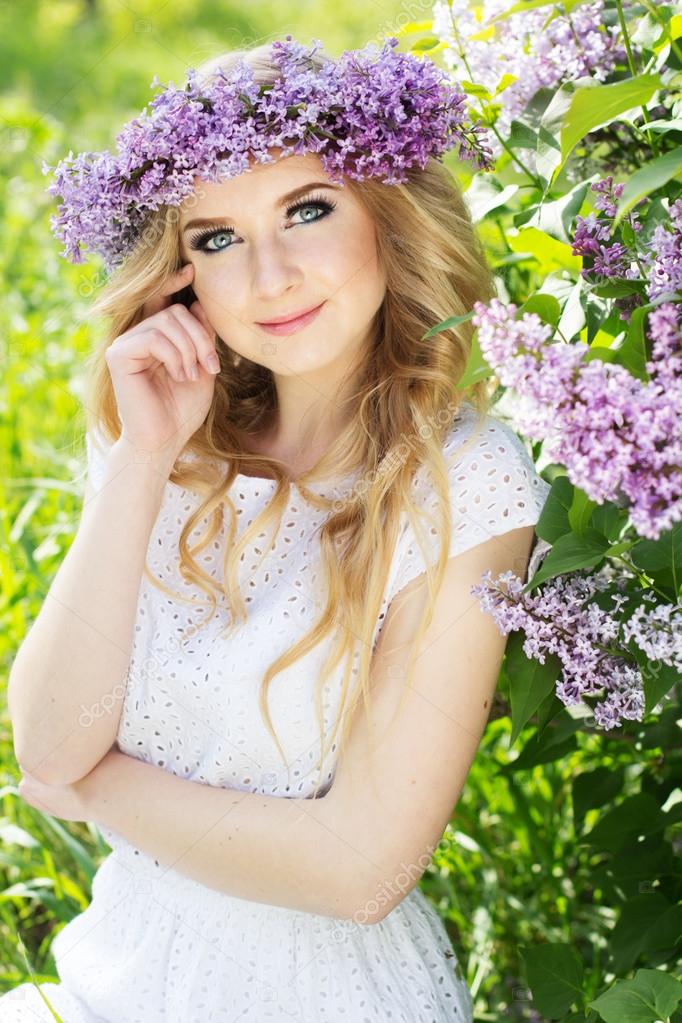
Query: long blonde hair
<point>399,410</point>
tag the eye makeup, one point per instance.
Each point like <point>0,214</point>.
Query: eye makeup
<point>199,240</point>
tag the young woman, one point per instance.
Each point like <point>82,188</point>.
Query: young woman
<point>260,669</point>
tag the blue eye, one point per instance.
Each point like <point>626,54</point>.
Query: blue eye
<point>199,241</point>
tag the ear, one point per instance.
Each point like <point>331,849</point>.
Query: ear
<point>186,296</point>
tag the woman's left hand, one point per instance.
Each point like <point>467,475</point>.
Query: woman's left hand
<point>71,802</point>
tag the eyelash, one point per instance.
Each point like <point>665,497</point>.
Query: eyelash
<point>198,241</point>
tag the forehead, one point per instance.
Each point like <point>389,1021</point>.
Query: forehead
<point>262,184</point>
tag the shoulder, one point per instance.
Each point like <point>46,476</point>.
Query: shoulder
<point>489,464</point>
<point>492,482</point>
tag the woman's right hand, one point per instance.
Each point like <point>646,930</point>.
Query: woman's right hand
<point>159,409</point>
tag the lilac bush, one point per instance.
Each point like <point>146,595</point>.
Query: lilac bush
<point>539,48</point>
<point>618,436</point>
<point>583,102</point>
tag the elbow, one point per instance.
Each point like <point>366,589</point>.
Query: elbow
<point>374,906</point>
<point>384,893</point>
<point>47,769</point>
<point>49,775</point>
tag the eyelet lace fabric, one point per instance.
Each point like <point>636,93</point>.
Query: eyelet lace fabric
<point>155,946</point>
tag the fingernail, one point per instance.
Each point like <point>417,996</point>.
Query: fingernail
<point>213,363</point>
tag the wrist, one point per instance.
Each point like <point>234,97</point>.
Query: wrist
<point>160,459</point>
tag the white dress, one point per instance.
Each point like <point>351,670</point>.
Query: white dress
<point>155,946</point>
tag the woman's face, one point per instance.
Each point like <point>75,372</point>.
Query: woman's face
<point>263,260</point>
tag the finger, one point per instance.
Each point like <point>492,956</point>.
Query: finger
<point>160,347</point>
<point>202,338</point>
<point>132,353</point>
<point>176,282</point>
<point>197,310</point>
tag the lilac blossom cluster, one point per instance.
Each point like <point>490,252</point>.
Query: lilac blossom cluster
<point>658,266</point>
<point>561,618</point>
<point>536,54</point>
<point>367,114</point>
<point>620,438</point>
<point>658,632</point>
<point>590,232</point>
<point>664,256</point>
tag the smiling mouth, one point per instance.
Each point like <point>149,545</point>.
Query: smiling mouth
<point>289,319</point>
<point>291,326</point>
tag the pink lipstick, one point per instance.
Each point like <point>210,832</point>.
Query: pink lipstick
<point>291,325</point>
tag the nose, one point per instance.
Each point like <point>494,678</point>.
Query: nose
<point>274,270</point>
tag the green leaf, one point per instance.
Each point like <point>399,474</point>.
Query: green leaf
<point>652,995</point>
<point>651,555</point>
<point>580,512</point>
<point>473,89</point>
<point>530,5</point>
<point>569,554</point>
<point>411,27</point>
<point>452,321</point>
<point>77,850</point>
<point>476,368</point>
<point>427,43</point>
<point>572,315</point>
<point>505,81</point>
<point>648,925</point>
<point>529,682</point>
<point>484,194</point>
<point>637,815</point>
<point>658,679</point>
<point>546,306</point>
<point>609,520</point>
<point>555,216</point>
<point>647,179</point>
<point>552,743</point>
<point>550,253</point>
<point>593,789</point>
<point>549,709</point>
<point>553,521</point>
<point>616,289</point>
<point>522,136</point>
<point>674,124</point>
<point>581,107</point>
<point>555,977</point>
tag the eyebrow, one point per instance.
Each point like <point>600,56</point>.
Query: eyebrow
<point>211,222</point>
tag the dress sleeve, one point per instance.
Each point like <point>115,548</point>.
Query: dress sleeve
<point>494,487</point>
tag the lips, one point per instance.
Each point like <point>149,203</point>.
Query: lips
<point>289,317</point>
<point>293,326</point>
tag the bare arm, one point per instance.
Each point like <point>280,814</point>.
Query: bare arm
<point>270,849</point>
<point>342,855</point>
<point>78,649</point>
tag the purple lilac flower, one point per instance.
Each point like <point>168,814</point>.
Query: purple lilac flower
<point>664,258</point>
<point>658,632</point>
<point>615,259</point>
<point>366,114</point>
<point>561,618</point>
<point>619,437</point>
<point>535,53</point>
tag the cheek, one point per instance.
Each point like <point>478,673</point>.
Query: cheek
<point>217,292</point>
<point>355,263</point>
